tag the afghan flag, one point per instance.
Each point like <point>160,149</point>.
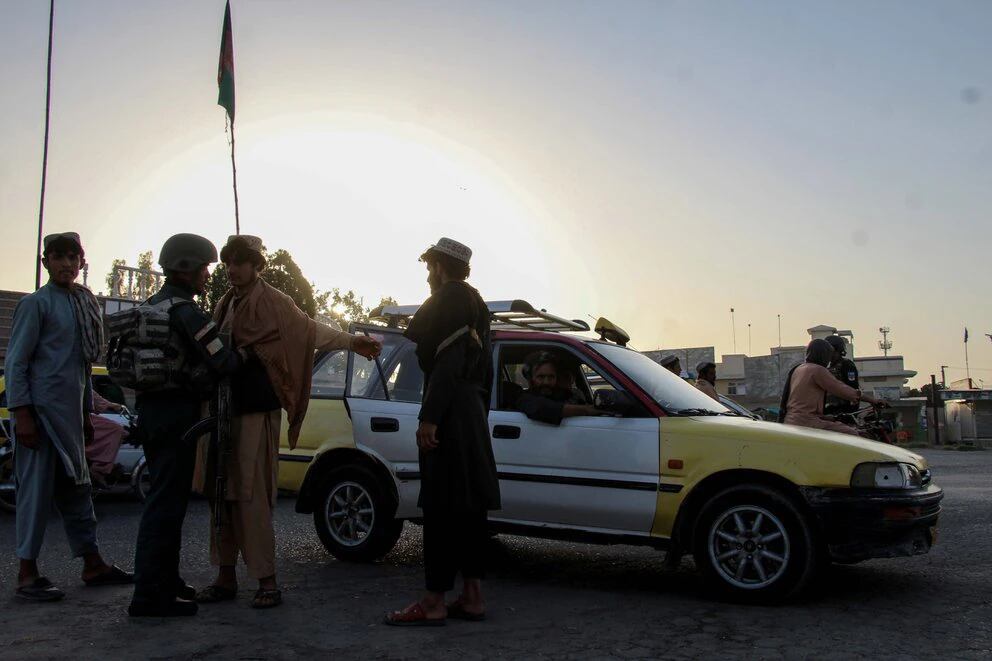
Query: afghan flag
<point>225,68</point>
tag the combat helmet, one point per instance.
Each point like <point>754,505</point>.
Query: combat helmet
<point>837,342</point>
<point>186,252</point>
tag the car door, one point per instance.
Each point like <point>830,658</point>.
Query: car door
<point>598,473</point>
<point>384,398</point>
<point>326,419</point>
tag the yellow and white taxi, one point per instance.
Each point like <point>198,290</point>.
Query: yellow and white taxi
<point>760,505</point>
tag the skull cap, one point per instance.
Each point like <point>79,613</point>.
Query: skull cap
<point>452,248</point>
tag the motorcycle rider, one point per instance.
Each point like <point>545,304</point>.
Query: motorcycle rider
<point>846,372</point>
<point>164,415</point>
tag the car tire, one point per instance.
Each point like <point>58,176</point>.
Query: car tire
<point>8,499</point>
<point>754,544</point>
<point>354,516</point>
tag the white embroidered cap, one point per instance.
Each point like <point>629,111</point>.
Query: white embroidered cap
<point>452,248</point>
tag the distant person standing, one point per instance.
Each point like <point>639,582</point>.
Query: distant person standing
<point>706,379</point>
<point>56,336</point>
<point>458,484</point>
<point>672,364</point>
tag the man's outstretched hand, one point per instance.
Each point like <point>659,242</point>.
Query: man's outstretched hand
<point>364,345</point>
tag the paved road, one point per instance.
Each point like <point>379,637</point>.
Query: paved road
<point>547,599</point>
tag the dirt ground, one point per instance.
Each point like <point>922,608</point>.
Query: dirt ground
<point>546,599</point>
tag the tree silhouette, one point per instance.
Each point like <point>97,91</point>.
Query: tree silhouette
<point>283,273</point>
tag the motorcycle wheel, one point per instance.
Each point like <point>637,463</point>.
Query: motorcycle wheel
<point>8,500</point>
<point>141,481</point>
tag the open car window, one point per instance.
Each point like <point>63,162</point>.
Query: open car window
<point>576,376</point>
<point>404,380</point>
<point>329,375</point>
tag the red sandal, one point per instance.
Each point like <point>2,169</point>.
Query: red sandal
<point>413,616</point>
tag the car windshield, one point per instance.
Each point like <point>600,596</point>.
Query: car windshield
<point>672,393</point>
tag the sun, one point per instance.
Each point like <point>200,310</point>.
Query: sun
<point>355,200</point>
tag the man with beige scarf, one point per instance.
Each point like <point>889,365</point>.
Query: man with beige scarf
<point>279,340</point>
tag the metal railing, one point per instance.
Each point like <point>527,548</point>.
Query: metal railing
<point>134,283</point>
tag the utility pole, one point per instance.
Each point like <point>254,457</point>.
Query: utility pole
<point>44,156</point>
<point>779,331</point>
<point>943,377</point>
<point>749,339</point>
<point>733,328</point>
<point>936,414</point>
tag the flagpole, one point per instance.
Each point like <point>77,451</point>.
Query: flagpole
<point>967,369</point>
<point>44,157</point>
<point>234,176</point>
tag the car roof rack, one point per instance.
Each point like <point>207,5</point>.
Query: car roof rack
<point>515,314</point>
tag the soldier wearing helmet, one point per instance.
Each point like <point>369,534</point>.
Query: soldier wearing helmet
<point>165,415</point>
<point>846,372</point>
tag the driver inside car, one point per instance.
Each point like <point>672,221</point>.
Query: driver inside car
<point>544,400</point>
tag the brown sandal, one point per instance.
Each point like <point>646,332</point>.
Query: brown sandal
<point>266,598</point>
<point>456,611</point>
<point>214,593</point>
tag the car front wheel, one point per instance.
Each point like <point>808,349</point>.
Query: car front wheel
<point>753,544</point>
<point>354,516</point>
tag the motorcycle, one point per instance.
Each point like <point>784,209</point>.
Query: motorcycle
<point>130,473</point>
<point>870,424</point>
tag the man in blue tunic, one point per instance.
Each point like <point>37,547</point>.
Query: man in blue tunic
<point>55,338</point>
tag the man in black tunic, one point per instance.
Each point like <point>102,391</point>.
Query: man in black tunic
<point>458,484</point>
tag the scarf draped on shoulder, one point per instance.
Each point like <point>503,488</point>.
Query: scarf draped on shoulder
<point>283,337</point>
<point>89,317</point>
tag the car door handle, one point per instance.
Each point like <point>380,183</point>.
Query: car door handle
<point>385,424</point>
<point>506,431</point>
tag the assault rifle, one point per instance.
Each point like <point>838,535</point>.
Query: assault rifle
<point>222,450</point>
<point>218,425</point>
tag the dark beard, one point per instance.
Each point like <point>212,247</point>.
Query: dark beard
<point>434,281</point>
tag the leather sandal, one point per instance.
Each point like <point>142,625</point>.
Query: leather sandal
<point>266,598</point>
<point>214,593</point>
<point>413,616</point>
<point>41,589</point>
<point>456,611</point>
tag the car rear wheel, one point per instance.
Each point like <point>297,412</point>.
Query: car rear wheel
<point>354,516</point>
<point>753,544</point>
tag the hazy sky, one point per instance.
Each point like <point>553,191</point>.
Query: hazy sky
<point>654,162</point>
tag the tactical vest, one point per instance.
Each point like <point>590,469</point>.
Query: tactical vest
<point>144,353</point>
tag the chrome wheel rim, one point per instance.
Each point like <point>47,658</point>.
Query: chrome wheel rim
<point>349,513</point>
<point>749,547</point>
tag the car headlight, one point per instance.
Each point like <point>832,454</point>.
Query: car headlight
<point>886,476</point>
